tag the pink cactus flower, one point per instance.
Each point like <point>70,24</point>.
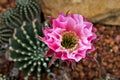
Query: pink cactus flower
<point>70,38</point>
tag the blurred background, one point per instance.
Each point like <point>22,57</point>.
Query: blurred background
<point>105,15</point>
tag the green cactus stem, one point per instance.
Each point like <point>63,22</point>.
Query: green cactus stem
<point>10,18</point>
<point>28,9</point>
<point>2,51</point>
<point>27,51</point>
<point>3,77</point>
<point>5,34</point>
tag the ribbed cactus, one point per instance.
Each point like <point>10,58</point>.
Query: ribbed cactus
<point>5,34</point>
<point>11,18</point>
<point>28,9</point>
<point>27,51</point>
<point>2,51</point>
<point>3,77</point>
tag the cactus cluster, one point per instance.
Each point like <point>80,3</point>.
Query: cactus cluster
<point>10,18</point>
<point>28,9</point>
<point>27,51</point>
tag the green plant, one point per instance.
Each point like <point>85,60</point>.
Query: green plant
<point>28,9</point>
<point>2,51</point>
<point>10,18</point>
<point>5,34</point>
<point>3,77</point>
<point>27,51</point>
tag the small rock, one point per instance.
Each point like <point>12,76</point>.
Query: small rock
<point>3,2</point>
<point>110,66</point>
<point>115,48</point>
<point>117,39</point>
<point>75,74</point>
<point>82,75</point>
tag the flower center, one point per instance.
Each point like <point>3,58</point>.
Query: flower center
<point>69,40</point>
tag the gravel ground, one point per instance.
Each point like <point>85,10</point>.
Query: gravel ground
<point>4,4</point>
<point>107,54</point>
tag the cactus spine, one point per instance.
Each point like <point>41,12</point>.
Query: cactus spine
<point>28,9</point>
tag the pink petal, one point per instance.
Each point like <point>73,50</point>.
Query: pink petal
<point>49,53</point>
<point>51,61</point>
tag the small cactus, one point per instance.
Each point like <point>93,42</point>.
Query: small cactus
<point>2,51</point>
<point>5,34</point>
<point>27,51</point>
<point>10,18</point>
<point>28,9</point>
<point>3,77</point>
